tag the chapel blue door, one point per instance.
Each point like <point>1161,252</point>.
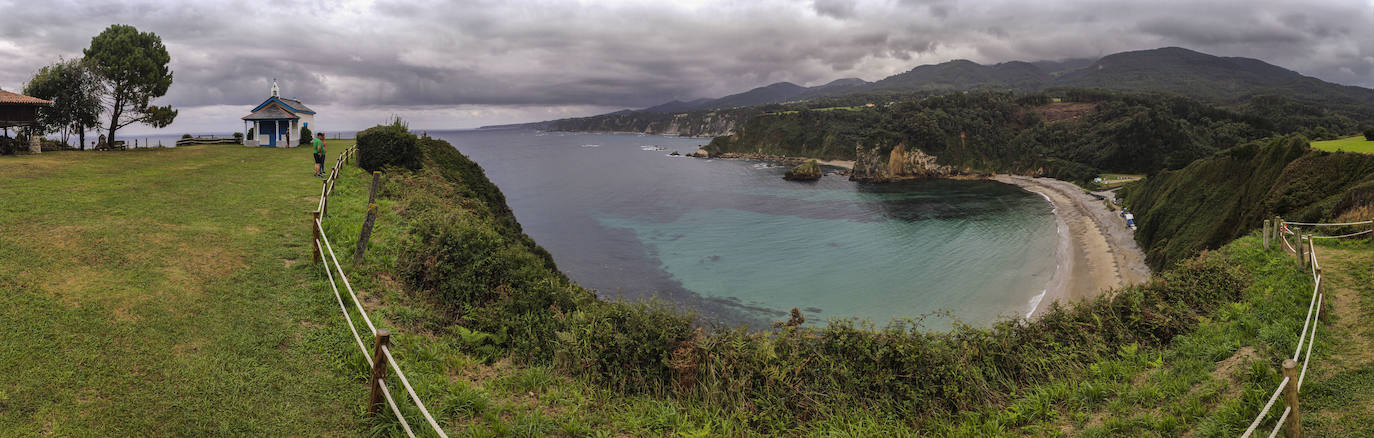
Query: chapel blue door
<point>270,130</point>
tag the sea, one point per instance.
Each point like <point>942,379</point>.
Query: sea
<point>733,242</point>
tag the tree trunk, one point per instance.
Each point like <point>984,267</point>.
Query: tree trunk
<point>81,135</point>
<point>114,120</point>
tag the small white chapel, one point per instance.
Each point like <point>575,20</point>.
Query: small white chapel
<point>277,121</point>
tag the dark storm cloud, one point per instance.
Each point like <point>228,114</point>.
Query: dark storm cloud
<point>442,55</point>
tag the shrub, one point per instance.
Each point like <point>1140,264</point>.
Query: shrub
<point>630,346</point>
<point>388,145</point>
<point>185,136</point>
<point>238,136</point>
<point>1369,134</point>
<point>306,136</point>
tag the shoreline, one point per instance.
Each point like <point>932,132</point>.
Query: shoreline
<point>1096,251</point>
<point>847,165</point>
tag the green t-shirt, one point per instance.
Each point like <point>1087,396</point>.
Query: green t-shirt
<point>318,144</point>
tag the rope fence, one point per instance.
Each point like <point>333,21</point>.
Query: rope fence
<point>380,356</point>
<point>1305,252</point>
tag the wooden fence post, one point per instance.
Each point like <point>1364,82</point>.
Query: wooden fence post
<point>366,233</point>
<point>315,231</point>
<point>1266,234</point>
<point>324,201</point>
<point>1293,425</point>
<point>378,370</point>
<point>372,191</point>
<point>1297,252</point>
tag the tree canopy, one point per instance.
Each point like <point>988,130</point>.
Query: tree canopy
<point>76,95</point>
<point>133,67</point>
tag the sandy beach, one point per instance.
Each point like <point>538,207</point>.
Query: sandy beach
<point>1097,252</point>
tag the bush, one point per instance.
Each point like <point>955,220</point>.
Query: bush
<point>388,145</point>
<point>1369,134</point>
<point>238,137</point>
<point>306,136</point>
<point>185,136</point>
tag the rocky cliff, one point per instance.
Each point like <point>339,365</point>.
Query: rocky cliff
<point>690,124</point>
<point>879,164</point>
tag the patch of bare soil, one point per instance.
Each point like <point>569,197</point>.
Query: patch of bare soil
<point>1063,111</point>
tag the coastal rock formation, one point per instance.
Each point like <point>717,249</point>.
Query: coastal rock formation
<point>876,165</point>
<point>808,171</point>
<point>702,153</point>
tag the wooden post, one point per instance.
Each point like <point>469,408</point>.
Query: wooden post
<point>366,234</point>
<point>1297,251</point>
<point>1266,234</point>
<point>378,370</point>
<point>324,194</point>
<point>1293,426</point>
<point>315,231</point>
<point>372,191</point>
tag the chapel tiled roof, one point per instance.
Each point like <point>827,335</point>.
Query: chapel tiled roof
<point>271,112</point>
<point>293,103</point>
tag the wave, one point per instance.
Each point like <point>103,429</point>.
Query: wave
<point>1035,302</point>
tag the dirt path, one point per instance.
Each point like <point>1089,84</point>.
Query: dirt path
<point>1342,404</point>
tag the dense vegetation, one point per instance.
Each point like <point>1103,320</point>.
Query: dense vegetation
<point>1068,134</point>
<point>465,252</point>
<point>387,145</point>
<point>1213,201</point>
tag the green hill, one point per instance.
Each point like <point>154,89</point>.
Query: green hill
<point>1076,137</point>
<point>1215,200</point>
<point>1224,81</point>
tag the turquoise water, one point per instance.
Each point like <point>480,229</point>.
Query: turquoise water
<point>733,241</point>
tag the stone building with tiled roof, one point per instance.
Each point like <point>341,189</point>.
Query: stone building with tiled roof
<point>17,110</point>
<point>277,122</point>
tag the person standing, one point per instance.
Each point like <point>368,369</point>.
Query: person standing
<point>318,142</point>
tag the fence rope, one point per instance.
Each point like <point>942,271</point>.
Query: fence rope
<point>1279,425</point>
<point>395,410</point>
<point>409,389</point>
<point>1317,224</point>
<point>1265,411</point>
<point>1343,235</point>
<point>1312,304</point>
<point>338,297</point>
<point>1308,359</point>
<point>343,277</point>
<point>326,189</point>
<point>1285,243</point>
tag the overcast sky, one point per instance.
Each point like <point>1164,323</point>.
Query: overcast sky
<point>462,64</point>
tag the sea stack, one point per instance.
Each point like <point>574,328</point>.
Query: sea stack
<point>808,171</point>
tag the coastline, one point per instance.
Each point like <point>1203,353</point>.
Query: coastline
<point>1096,253</point>
<point>847,165</point>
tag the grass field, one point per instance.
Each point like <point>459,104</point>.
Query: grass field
<point>171,292</point>
<point>1349,144</point>
<point>166,292</point>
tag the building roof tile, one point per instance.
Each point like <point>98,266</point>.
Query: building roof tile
<point>13,98</point>
<point>271,112</point>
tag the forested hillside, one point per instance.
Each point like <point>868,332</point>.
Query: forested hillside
<point>1216,200</point>
<point>1068,134</point>
<point>1225,81</point>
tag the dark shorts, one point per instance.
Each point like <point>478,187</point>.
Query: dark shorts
<point>319,158</point>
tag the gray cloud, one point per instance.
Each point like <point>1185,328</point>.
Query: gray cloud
<point>483,61</point>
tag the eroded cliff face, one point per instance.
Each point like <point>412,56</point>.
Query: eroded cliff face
<point>693,124</point>
<point>711,125</point>
<point>878,164</point>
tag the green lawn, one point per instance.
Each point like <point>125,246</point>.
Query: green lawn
<point>167,292</point>
<point>1349,144</point>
